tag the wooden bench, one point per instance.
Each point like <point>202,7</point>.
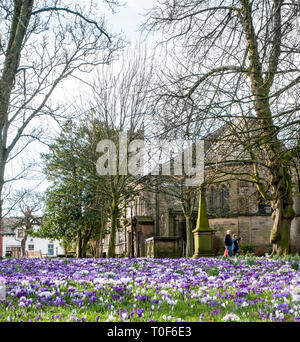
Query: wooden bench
<point>33,254</point>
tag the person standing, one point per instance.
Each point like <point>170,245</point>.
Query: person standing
<point>228,242</point>
<point>235,244</point>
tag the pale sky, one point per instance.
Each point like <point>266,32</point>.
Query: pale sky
<point>127,21</point>
<point>130,17</point>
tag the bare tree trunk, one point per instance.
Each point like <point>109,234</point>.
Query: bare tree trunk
<point>23,245</point>
<point>114,216</point>
<point>19,25</point>
<point>28,225</point>
<point>97,244</point>
<point>85,241</point>
<point>79,245</point>
<point>101,248</point>
<point>96,248</point>
<point>283,213</point>
<point>189,237</point>
<point>187,205</point>
<point>281,186</point>
<point>2,169</point>
<point>21,16</point>
<point>84,248</point>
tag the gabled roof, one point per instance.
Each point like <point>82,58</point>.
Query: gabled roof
<point>213,137</point>
<point>10,224</point>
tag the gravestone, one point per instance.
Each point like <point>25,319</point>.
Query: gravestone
<point>164,247</point>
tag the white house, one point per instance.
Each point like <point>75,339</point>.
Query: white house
<point>12,233</point>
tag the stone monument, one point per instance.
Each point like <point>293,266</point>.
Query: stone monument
<point>202,233</point>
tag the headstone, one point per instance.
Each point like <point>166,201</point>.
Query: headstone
<point>164,247</point>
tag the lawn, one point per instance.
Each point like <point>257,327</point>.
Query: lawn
<point>243,289</point>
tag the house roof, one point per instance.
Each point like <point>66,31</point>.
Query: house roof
<point>9,224</point>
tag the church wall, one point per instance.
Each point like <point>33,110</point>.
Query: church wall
<point>254,230</point>
<point>234,205</point>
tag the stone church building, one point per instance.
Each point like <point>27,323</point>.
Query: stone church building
<point>235,204</point>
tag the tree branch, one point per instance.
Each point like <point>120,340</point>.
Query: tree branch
<point>210,73</point>
<point>57,9</point>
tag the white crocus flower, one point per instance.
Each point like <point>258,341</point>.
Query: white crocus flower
<point>231,317</point>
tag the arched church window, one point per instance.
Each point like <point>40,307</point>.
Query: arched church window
<point>224,195</point>
<point>212,200</point>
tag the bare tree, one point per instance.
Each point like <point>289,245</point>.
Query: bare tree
<point>172,182</point>
<point>41,44</point>
<point>240,58</point>
<point>119,104</point>
<point>30,207</point>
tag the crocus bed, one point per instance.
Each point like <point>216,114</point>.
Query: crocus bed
<point>143,290</point>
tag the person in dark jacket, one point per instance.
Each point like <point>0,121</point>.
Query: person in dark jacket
<point>235,244</point>
<point>228,242</point>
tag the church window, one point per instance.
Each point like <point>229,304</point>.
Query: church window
<point>224,200</point>
<point>212,200</point>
